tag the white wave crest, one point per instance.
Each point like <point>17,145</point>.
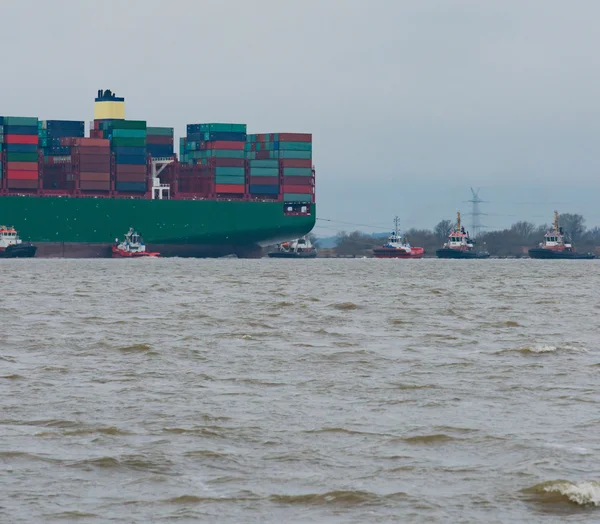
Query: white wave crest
<point>546,348</point>
<point>585,493</point>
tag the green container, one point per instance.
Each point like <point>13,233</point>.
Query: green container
<point>128,142</point>
<point>250,155</point>
<point>21,157</point>
<point>264,163</point>
<point>126,124</point>
<point>305,155</point>
<point>221,179</point>
<point>43,142</point>
<point>297,197</point>
<point>297,171</point>
<point>264,171</point>
<point>20,121</point>
<point>221,153</point>
<point>222,128</point>
<point>229,171</point>
<point>129,133</point>
<point>1,142</point>
<point>295,146</point>
<point>161,131</point>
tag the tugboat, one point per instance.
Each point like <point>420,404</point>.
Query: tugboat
<point>11,246</point>
<point>132,247</point>
<point>300,248</point>
<point>460,245</point>
<point>397,247</point>
<point>555,246</point>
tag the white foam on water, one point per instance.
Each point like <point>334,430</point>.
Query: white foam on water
<point>585,493</point>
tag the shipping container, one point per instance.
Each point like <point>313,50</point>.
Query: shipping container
<point>289,188</point>
<point>22,184</point>
<point>264,190</point>
<point>294,146</point>
<point>130,177</point>
<point>159,140</point>
<point>223,162</point>
<point>128,133</point>
<point>295,154</point>
<point>297,197</point>
<point>223,145</point>
<point>128,142</point>
<point>295,137</point>
<point>20,130</point>
<point>295,162</point>
<point>264,163</point>
<point>132,169</point>
<point>216,128</point>
<point>264,171</point>
<point>264,180</point>
<point>21,174</point>
<point>85,185</point>
<point>21,139</point>
<point>22,166</point>
<point>124,150</point>
<point>297,171</point>
<point>124,124</point>
<point>21,148</point>
<point>137,160</point>
<point>21,121</point>
<point>94,177</point>
<point>227,179</point>
<point>94,165</point>
<point>298,181</point>
<point>229,171</point>
<point>22,157</point>
<point>160,131</point>
<point>134,187</point>
<point>230,188</point>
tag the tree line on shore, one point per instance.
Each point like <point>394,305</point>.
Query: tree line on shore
<point>513,241</point>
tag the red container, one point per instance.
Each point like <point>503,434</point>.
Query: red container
<point>93,150</point>
<point>129,177</point>
<point>159,140</point>
<point>85,142</point>
<point>96,133</point>
<point>131,169</point>
<point>295,162</point>
<point>85,185</point>
<point>297,181</point>
<point>94,177</point>
<point>22,166</point>
<point>265,180</point>
<point>17,174</point>
<point>263,155</point>
<point>21,139</point>
<point>93,165</point>
<point>226,162</point>
<point>223,144</point>
<point>296,189</point>
<point>295,137</point>
<point>22,184</point>
<point>230,188</point>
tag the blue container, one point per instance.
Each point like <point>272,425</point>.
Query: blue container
<point>57,150</point>
<point>136,160</point>
<point>124,150</point>
<point>160,150</point>
<point>225,136</point>
<point>21,148</point>
<point>136,187</point>
<point>258,189</point>
<point>20,130</point>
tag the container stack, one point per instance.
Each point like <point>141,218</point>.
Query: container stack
<point>128,144</point>
<point>220,148</point>
<point>160,141</point>
<point>50,133</point>
<point>91,160</point>
<point>20,149</point>
<point>281,163</point>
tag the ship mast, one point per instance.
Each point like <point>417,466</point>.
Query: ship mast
<point>396,225</point>
<point>556,228</point>
<point>458,221</point>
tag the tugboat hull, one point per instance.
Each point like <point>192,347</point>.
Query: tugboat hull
<point>308,254</point>
<point>457,253</point>
<point>19,251</point>
<point>549,254</point>
<point>417,252</point>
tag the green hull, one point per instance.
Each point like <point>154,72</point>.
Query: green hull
<point>62,226</point>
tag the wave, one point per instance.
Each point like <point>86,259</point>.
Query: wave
<point>511,323</point>
<point>343,498</point>
<point>72,515</point>
<point>344,306</point>
<point>136,347</point>
<point>437,438</point>
<point>14,376</point>
<point>342,431</point>
<point>109,430</point>
<point>586,493</point>
<point>540,349</point>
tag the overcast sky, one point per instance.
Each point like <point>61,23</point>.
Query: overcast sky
<point>410,102</point>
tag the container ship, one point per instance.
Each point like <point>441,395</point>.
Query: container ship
<point>225,192</point>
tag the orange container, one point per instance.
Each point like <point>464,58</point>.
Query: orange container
<point>16,174</point>
<point>223,144</point>
<point>22,166</point>
<point>230,188</point>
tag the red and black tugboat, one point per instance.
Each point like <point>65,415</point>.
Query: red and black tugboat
<point>460,245</point>
<point>556,245</point>
<point>397,246</point>
<point>11,246</point>
<point>132,247</point>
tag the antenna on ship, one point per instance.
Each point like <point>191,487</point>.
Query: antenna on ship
<point>396,225</point>
<point>476,213</point>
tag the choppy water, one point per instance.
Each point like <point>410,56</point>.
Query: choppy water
<point>299,391</point>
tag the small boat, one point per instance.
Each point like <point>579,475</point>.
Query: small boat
<point>300,248</point>
<point>397,247</point>
<point>557,246</point>
<point>11,246</point>
<point>132,247</point>
<point>460,245</point>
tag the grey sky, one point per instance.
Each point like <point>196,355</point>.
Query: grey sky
<point>410,103</point>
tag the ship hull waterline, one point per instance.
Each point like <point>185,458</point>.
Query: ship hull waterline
<point>88,227</point>
<point>548,254</point>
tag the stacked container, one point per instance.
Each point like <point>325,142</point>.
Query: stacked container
<point>281,163</point>
<point>50,133</point>
<point>91,159</point>
<point>160,141</point>
<point>219,147</point>
<point>20,149</point>
<point>128,144</point>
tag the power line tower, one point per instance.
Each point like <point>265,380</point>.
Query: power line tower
<point>476,214</point>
